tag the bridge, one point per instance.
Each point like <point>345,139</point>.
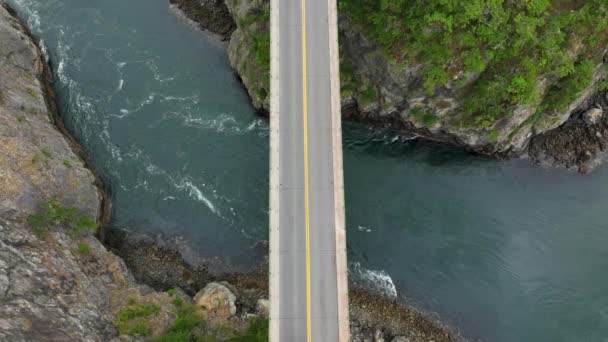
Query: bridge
<point>308,284</point>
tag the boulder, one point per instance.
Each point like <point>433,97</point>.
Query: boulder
<point>216,299</point>
<point>593,116</point>
<point>378,336</point>
<point>263,307</point>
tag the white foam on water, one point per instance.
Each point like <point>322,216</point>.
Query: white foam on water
<point>197,194</point>
<point>376,279</point>
<point>125,112</point>
<point>120,84</point>
<point>364,229</point>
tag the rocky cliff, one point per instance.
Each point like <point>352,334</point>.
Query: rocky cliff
<point>453,76</point>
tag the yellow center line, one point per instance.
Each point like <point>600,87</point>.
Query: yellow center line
<point>306,194</point>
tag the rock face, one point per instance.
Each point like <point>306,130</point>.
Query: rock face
<point>216,300</point>
<point>248,50</point>
<point>209,14</point>
<point>579,144</point>
<point>593,116</point>
<point>36,161</point>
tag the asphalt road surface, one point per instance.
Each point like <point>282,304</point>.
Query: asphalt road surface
<point>308,280</point>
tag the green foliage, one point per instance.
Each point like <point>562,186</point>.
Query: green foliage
<point>45,151</point>
<point>494,135</point>
<point>52,212</point>
<point>369,94</point>
<point>84,248</point>
<point>256,28</point>
<point>131,319</point>
<point>256,332</point>
<point>429,120</point>
<point>185,325</point>
<point>567,89</point>
<point>67,164</point>
<point>191,326</point>
<point>603,86</point>
<point>36,158</point>
<point>171,292</point>
<point>511,44</point>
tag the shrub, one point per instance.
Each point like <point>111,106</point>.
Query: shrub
<point>53,213</point>
<point>257,331</point>
<point>131,320</point>
<point>84,248</point>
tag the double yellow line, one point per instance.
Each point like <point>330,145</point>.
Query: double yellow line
<point>306,192</point>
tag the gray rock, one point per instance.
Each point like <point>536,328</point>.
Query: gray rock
<point>378,336</point>
<point>593,116</point>
<point>210,15</point>
<point>216,299</point>
<point>263,307</point>
<point>36,161</point>
<point>400,339</point>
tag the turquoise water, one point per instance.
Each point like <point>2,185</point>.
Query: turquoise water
<point>500,250</point>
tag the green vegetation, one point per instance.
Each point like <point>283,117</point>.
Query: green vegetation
<point>512,44</point>
<point>257,331</point>
<point>171,292</point>
<point>53,213</point>
<point>191,326</point>
<point>84,248</point>
<point>256,28</point>
<point>36,158</point>
<point>67,164</point>
<point>32,92</point>
<point>45,151</point>
<point>132,319</point>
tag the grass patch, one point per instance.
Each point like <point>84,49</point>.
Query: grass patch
<point>191,326</point>
<point>45,151</point>
<point>131,320</point>
<point>257,331</point>
<point>31,92</point>
<point>84,248</point>
<point>52,213</point>
<point>67,164</point>
<point>36,158</point>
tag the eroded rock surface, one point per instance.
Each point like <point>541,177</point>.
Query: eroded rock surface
<point>56,285</point>
<point>36,161</point>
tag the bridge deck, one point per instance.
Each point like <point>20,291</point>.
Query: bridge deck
<point>308,265</point>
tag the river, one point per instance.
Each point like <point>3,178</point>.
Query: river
<point>501,250</point>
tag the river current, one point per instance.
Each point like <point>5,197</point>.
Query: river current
<point>500,250</point>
